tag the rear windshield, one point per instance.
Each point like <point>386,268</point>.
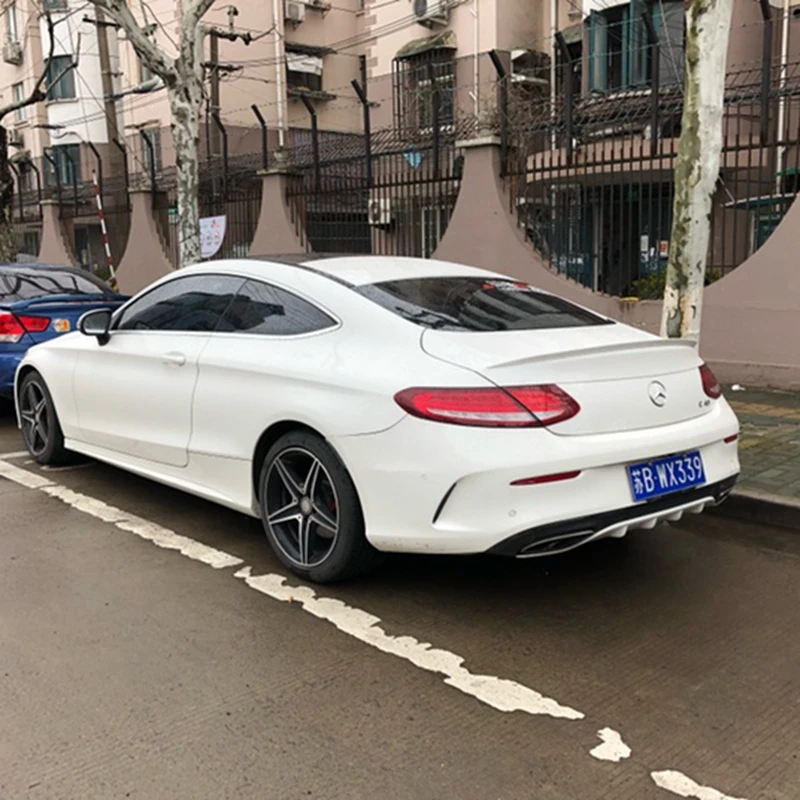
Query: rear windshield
<point>21,284</point>
<point>477,304</point>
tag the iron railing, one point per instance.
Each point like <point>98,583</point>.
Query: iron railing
<point>592,180</point>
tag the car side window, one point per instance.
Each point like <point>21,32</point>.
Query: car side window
<point>260,308</point>
<point>194,303</point>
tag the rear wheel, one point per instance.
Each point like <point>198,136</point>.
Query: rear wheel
<point>40,426</point>
<point>311,512</point>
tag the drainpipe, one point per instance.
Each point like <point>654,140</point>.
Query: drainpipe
<point>277,36</point>
<point>782,102</point>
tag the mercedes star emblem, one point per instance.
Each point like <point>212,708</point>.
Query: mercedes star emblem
<point>658,393</point>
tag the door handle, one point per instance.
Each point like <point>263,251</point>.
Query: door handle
<point>174,359</point>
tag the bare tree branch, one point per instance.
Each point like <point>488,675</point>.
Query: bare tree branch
<point>156,61</point>
<point>39,93</point>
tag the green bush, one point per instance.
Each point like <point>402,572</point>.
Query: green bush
<point>652,286</point>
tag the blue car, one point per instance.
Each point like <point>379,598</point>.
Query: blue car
<point>39,302</point>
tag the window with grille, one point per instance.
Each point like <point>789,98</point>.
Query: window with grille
<point>417,80</point>
<point>619,54</point>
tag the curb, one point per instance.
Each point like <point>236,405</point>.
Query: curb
<point>753,505</point>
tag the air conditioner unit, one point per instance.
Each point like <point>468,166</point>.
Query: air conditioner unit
<point>294,11</point>
<point>15,138</point>
<point>12,53</point>
<point>380,212</point>
<point>431,13</point>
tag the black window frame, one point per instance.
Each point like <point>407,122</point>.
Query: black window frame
<point>414,90</point>
<point>296,297</point>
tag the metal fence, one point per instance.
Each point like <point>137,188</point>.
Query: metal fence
<point>591,178</point>
<point>384,192</point>
<point>227,188</point>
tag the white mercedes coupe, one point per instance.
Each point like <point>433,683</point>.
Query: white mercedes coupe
<point>368,404</point>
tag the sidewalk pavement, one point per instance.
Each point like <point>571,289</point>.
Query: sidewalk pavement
<point>769,451</point>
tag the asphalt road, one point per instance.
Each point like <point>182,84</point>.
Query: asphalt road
<point>138,664</point>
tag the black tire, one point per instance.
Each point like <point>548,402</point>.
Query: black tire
<point>41,429</point>
<point>323,511</point>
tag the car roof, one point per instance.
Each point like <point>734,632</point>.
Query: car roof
<point>359,270</point>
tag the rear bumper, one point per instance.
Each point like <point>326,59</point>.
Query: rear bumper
<point>569,534</point>
<point>432,488</point>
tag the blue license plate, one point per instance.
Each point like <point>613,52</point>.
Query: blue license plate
<point>666,475</point>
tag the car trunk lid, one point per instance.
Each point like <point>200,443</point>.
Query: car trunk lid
<point>623,379</point>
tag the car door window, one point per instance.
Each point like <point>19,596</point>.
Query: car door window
<point>260,308</point>
<point>193,303</point>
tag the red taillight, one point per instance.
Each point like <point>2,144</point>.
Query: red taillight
<point>14,327</point>
<point>514,407</point>
<point>710,383</point>
<point>731,439</point>
<point>558,476</point>
<point>34,324</point>
<point>11,331</point>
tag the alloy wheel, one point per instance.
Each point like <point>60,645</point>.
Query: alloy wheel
<point>35,420</point>
<point>302,508</point>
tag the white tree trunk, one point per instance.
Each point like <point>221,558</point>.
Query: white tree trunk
<point>185,99</point>
<point>708,27</point>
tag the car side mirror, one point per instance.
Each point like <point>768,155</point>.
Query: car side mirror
<point>96,323</point>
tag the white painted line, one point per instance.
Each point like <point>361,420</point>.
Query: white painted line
<point>18,454</point>
<point>612,748</point>
<point>684,786</point>
<point>499,693</point>
<point>154,533</point>
<point>23,476</point>
<point>163,537</point>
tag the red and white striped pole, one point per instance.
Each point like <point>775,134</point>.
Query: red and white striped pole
<point>102,217</point>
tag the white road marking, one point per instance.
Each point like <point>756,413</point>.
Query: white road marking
<point>23,476</point>
<point>684,786</point>
<point>499,693</point>
<point>18,454</point>
<point>612,747</point>
<point>156,534</point>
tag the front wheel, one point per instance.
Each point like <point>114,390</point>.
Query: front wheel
<point>41,429</point>
<point>311,512</point>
